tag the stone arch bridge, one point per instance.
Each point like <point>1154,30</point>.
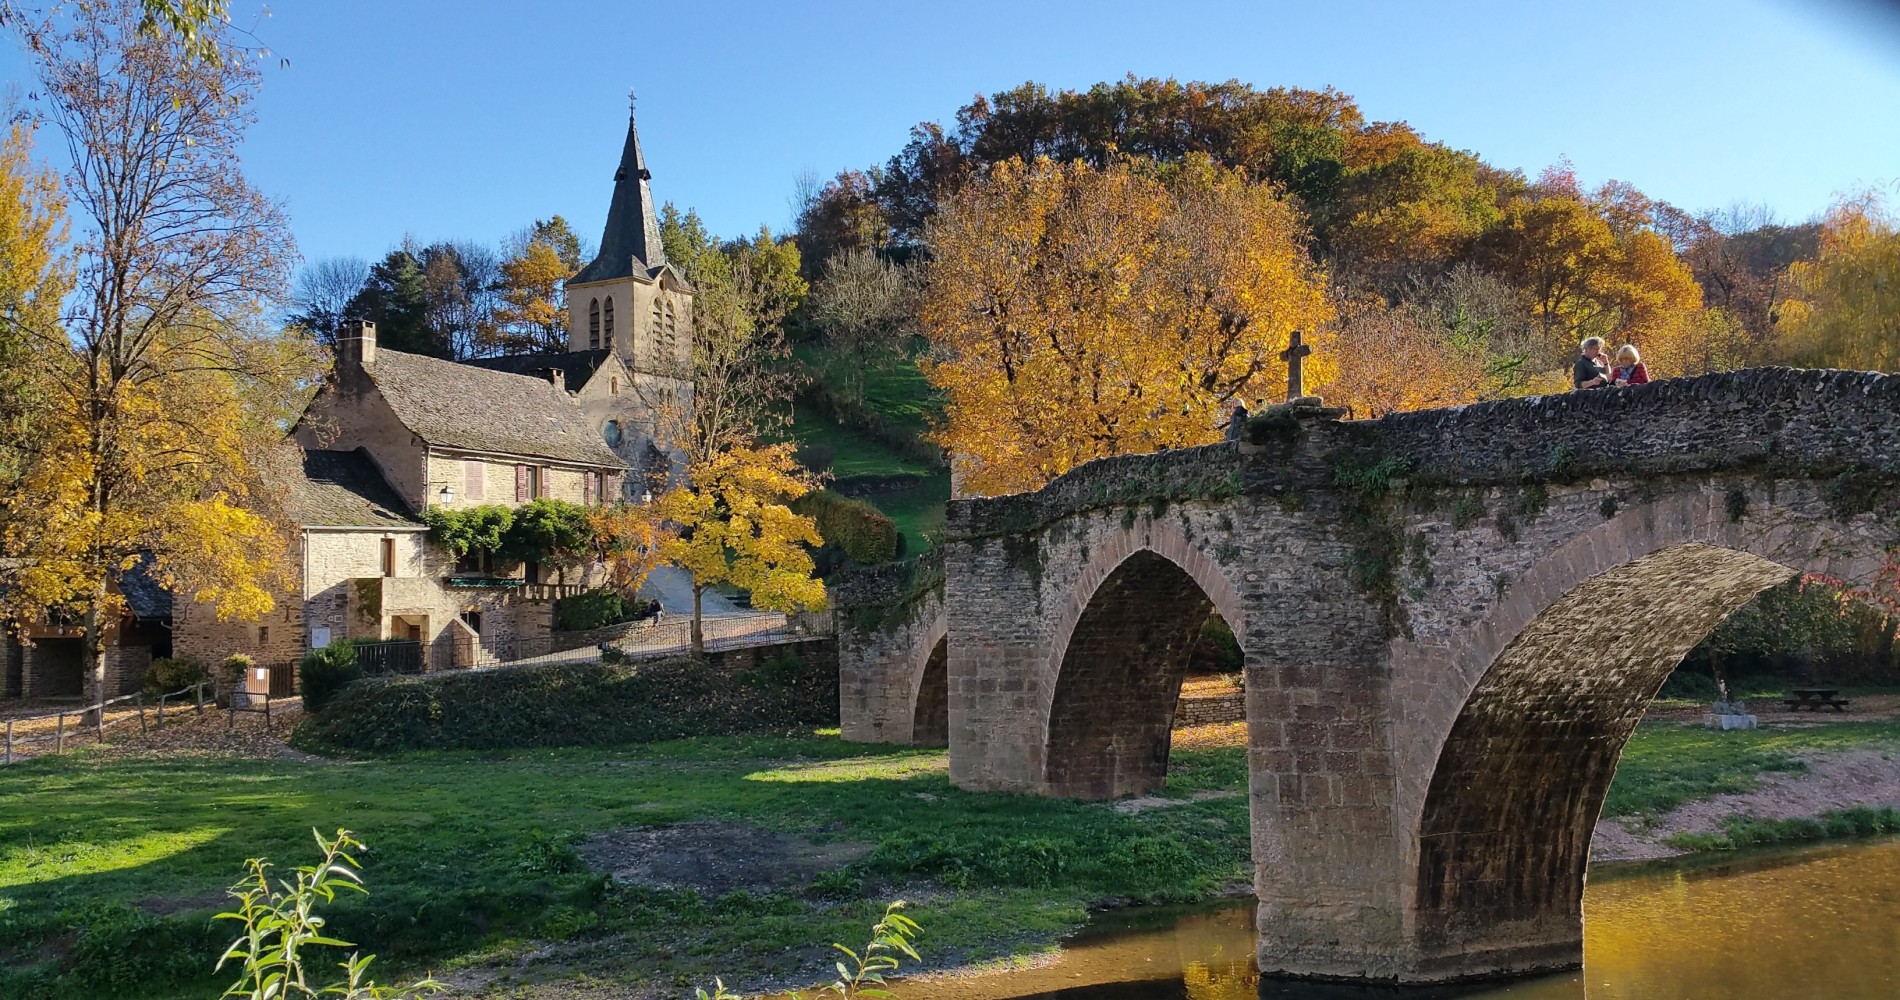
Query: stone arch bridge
<point>1451,621</point>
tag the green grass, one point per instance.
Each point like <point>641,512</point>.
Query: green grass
<point>1748,831</point>
<point>109,869</point>
<point>918,510</point>
<point>1667,764</point>
<point>895,388</point>
<point>461,846</point>
<point>853,454</point>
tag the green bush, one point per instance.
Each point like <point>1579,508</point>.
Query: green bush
<point>858,529</point>
<point>327,671</point>
<point>575,704</point>
<point>172,673</point>
<point>593,609</point>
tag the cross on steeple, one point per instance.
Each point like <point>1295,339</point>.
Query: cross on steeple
<point>1296,350</point>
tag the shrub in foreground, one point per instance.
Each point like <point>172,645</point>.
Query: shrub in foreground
<point>576,704</point>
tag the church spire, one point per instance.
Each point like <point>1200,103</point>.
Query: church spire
<point>632,237</point>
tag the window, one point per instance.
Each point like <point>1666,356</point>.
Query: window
<point>611,433</point>
<point>473,563</point>
<point>389,557</point>
<point>593,321</point>
<point>607,311</point>
<point>613,385</point>
<point>263,635</point>
<point>672,328</point>
<point>473,619</point>
<point>530,481</point>
<point>656,326</point>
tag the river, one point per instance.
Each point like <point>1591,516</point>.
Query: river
<point>1821,922</point>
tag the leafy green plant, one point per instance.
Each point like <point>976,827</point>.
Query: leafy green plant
<point>326,671</point>
<point>281,923</point>
<point>546,531</point>
<point>468,529</point>
<point>860,973</point>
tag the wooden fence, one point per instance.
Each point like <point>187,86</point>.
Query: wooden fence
<point>98,710</point>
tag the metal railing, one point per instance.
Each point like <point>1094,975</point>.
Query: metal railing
<point>100,723</point>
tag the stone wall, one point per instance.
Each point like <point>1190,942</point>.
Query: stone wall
<point>1210,709</point>
<point>1450,621</point>
<point>892,662</point>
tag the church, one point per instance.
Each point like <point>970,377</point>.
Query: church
<point>392,434</point>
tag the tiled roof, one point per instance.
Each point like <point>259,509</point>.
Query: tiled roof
<point>345,489</point>
<point>144,598</point>
<point>576,366</point>
<point>459,406</point>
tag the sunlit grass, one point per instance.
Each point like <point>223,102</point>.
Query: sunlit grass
<point>71,855</point>
<point>857,769</point>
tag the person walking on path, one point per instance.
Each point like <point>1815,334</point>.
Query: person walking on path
<point>1629,369</point>
<point>1592,371</point>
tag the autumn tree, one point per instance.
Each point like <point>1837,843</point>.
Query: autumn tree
<point>532,317</point>
<point>743,292</point>
<point>160,374</point>
<point>735,528</point>
<point>1592,265</point>
<point>629,540</point>
<point>1846,308</point>
<point>1077,312</point>
<point>35,276</point>
<point>866,307</point>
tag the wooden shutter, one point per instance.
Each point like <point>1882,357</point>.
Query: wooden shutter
<point>587,487</point>
<point>542,487</point>
<point>610,487</point>
<point>521,484</point>
<point>474,478</point>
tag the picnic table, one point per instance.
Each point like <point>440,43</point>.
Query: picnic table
<point>1814,699</point>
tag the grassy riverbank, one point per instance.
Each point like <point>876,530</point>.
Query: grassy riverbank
<point>108,867</point>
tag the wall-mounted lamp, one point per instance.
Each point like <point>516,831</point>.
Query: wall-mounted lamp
<point>646,496</point>
<point>446,496</point>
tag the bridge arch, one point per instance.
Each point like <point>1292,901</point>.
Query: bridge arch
<point>1542,700</point>
<point>930,688</point>
<point>1118,655</point>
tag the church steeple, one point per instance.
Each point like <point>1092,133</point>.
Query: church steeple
<point>632,237</point>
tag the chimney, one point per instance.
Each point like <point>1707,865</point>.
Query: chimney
<point>557,378</point>
<point>355,351</point>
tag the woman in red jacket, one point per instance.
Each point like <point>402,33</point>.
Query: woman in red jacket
<point>1629,369</point>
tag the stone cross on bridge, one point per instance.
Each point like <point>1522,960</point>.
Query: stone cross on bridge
<point>1428,746</point>
<point>1294,355</point>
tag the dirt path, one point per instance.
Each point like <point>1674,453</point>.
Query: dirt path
<point>1834,781</point>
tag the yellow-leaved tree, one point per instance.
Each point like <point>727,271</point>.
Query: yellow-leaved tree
<point>160,393</point>
<point>1076,312</point>
<point>1845,312</point>
<point>734,527</point>
<point>533,315</point>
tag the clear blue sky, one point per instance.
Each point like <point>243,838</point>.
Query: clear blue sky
<point>469,119</point>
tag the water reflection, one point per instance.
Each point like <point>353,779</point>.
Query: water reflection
<point>1816,923</point>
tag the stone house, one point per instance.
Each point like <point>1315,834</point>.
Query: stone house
<point>394,433</point>
<point>48,660</point>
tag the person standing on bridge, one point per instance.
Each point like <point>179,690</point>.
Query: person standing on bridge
<point>1592,370</point>
<point>1629,369</point>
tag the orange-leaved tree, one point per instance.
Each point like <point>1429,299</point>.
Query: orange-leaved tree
<point>1076,312</point>
<point>160,390</point>
<point>734,527</point>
